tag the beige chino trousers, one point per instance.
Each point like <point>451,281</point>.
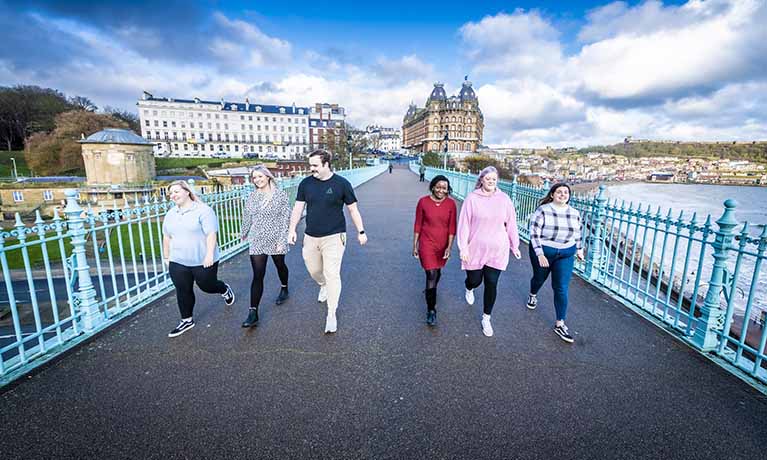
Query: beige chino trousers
<point>323,257</point>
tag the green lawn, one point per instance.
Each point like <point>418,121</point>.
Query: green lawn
<point>189,163</point>
<point>6,165</point>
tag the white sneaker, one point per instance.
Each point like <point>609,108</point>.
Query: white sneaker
<point>331,325</point>
<point>323,295</point>
<point>470,296</point>
<point>487,328</point>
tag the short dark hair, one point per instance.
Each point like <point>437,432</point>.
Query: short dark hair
<point>326,156</point>
<point>440,178</point>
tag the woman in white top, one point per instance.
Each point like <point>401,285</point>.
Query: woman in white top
<point>555,241</point>
<point>190,251</point>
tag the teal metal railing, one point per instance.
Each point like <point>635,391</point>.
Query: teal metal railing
<point>702,280</point>
<point>66,279</point>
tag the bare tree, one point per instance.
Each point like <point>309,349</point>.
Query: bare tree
<point>83,103</point>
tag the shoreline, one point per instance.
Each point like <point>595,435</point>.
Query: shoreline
<point>591,187</point>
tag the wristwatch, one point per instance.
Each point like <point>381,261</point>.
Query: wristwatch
<point>362,232</point>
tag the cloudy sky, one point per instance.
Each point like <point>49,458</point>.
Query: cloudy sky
<point>546,73</point>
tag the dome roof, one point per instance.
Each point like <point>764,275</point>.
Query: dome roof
<point>438,93</point>
<point>115,136</point>
<point>467,94</point>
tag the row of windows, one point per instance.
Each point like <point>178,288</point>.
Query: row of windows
<point>18,196</point>
<point>451,120</point>
<point>226,137</point>
<point>230,148</point>
<point>183,125</point>
<point>172,114</point>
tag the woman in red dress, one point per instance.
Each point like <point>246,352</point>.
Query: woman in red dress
<point>434,231</point>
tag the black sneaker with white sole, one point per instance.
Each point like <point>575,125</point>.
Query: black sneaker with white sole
<point>228,295</point>
<point>564,333</point>
<point>532,301</point>
<point>182,327</point>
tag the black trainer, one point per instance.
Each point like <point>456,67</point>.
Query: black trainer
<point>284,295</point>
<point>182,327</point>
<point>532,301</point>
<point>564,333</point>
<point>228,295</point>
<point>431,317</point>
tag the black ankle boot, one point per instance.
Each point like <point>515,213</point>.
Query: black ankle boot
<point>431,318</point>
<point>283,295</point>
<point>252,318</point>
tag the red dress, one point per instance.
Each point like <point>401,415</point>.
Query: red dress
<point>434,222</point>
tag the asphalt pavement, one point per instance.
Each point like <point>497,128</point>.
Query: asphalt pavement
<point>385,385</point>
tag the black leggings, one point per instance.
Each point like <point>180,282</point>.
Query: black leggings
<point>432,278</point>
<point>490,276</point>
<point>258,262</point>
<point>184,277</point>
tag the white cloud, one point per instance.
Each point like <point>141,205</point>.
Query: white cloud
<point>245,44</point>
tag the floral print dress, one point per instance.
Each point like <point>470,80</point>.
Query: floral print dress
<point>265,221</point>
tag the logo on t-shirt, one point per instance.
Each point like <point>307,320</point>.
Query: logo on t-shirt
<point>330,191</point>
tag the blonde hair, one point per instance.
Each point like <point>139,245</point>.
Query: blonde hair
<point>265,171</point>
<point>184,185</point>
<point>485,172</point>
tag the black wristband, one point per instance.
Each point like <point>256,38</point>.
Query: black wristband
<point>362,232</point>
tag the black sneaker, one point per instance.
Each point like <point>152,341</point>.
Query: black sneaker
<point>431,317</point>
<point>284,295</point>
<point>182,327</point>
<point>532,301</point>
<point>228,295</point>
<point>564,333</point>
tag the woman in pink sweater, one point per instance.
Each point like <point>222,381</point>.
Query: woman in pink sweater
<point>487,230</point>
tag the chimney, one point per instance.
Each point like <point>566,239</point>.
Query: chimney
<point>247,104</point>
<point>222,102</point>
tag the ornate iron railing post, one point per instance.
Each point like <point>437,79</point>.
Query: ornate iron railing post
<point>711,318</point>
<point>85,297</point>
<point>596,236</point>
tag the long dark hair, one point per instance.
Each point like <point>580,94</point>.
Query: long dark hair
<point>439,178</point>
<point>550,196</point>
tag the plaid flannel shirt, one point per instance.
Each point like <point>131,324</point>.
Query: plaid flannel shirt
<point>558,228</point>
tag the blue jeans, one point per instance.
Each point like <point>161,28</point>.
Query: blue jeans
<point>561,268</point>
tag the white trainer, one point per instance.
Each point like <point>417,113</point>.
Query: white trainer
<point>331,325</point>
<point>470,296</point>
<point>323,295</point>
<point>487,328</point>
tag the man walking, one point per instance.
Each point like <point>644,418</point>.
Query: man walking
<point>422,173</point>
<point>324,195</point>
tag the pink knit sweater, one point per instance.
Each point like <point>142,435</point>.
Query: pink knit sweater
<point>487,230</point>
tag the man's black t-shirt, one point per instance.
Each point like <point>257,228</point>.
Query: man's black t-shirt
<point>325,201</point>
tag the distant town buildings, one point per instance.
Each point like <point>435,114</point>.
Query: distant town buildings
<point>327,127</point>
<point>384,139</point>
<point>458,117</point>
<point>198,128</point>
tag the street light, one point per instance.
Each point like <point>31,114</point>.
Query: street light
<point>15,171</point>
<point>444,164</point>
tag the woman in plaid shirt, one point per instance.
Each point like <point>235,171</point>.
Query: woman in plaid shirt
<point>555,241</point>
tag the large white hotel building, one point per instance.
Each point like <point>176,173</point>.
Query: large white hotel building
<point>197,128</point>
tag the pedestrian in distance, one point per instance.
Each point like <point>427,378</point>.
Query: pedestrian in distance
<point>265,221</point>
<point>390,167</point>
<point>487,231</point>
<point>190,251</point>
<point>433,234</point>
<point>555,242</point>
<point>324,195</point>
<point>422,173</point>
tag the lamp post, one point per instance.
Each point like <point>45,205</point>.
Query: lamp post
<point>15,171</point>
<point>444,164</point>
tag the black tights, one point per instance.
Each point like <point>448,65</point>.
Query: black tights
<point>490,276</point>
<point>258,262</point>
<point>432,278</point>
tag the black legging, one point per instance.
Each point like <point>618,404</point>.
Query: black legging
<point>490,276</point>
<point>432,278</point>
<point>258,262</point>
<point>184,277</point>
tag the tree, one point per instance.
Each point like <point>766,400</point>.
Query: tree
<point>83,103</point>
<point>432,159</point>
<point>477,163</point>
<point>59,152</point>
<point>129,117</point>
<point>25,110</point>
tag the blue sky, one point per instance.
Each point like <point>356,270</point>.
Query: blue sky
<point>546,73</point>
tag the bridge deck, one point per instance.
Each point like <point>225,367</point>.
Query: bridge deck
<point>386,385</point>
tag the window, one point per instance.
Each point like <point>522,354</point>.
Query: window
<point>175,146</point>
<point>154,112</point>
<point>242,127</point>
<point>242,117</point>
<point>211,147</point>
<point>183,125</point>
<point>164,124</point>
<point>236,148</point>
<point>172,124</point>
<point>199,125</point>
<point>18,196</point>
<point>146,123</point>
<point>226,125</point>
<point>208,117</point>
<point>156,123</point>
